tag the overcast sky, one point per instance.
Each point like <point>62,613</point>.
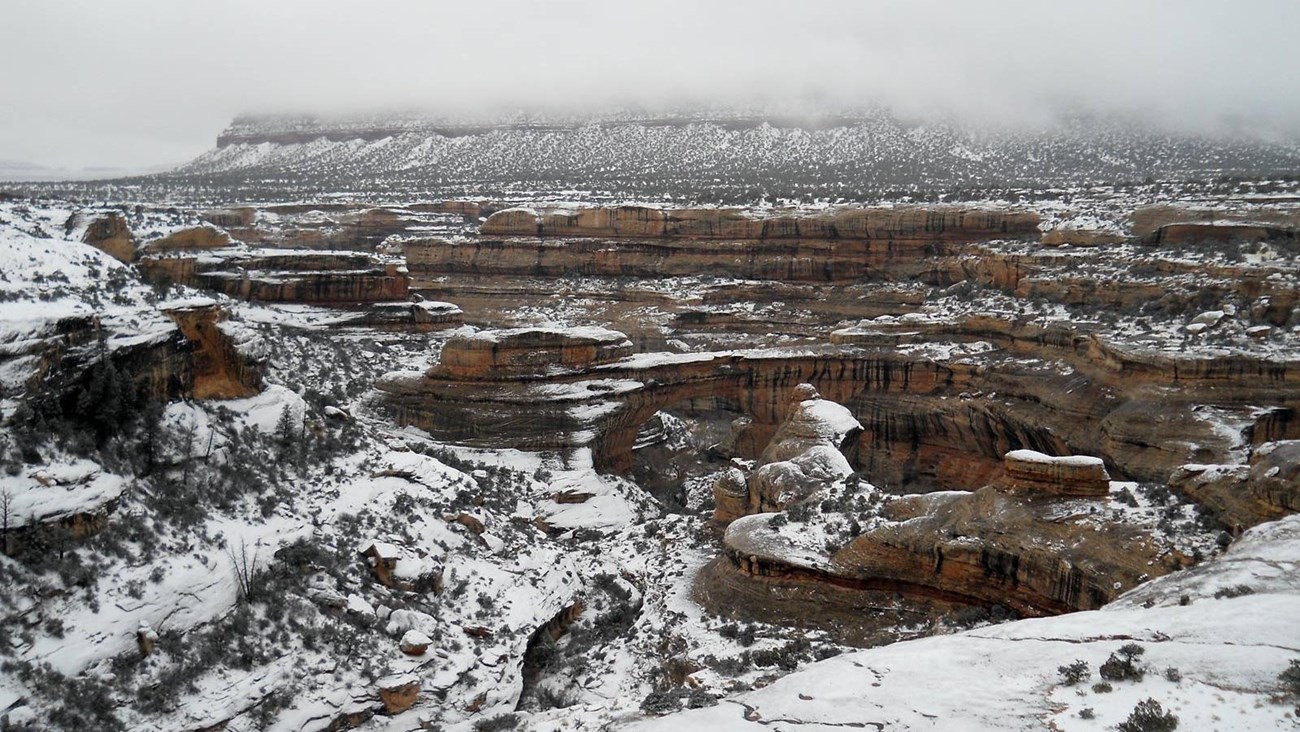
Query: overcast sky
<point>138,83</point>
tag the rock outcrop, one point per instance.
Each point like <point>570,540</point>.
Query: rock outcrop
<point>1078,476</point>
<point>399,693</point>
<point>221,369</point>
<point>193,238</point>
<point>423,316</point>
<point>932,415</point>
<point>403,568</point>
<point>1037,551</point>
<point>335,278</point>
<point>631,222</point>
<point>804,455</point>
<point>631,241</point>
<point>112,235</point>
<point>1182,234</point>
<point>1243,496</point>
<point>524,352</point>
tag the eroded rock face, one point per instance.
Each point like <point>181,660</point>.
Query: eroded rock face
<point>324,278</point>
<point>197,237</point>
<point>506,354</point>
<point>975,546</point>
<point>221,370</point>
<point>418,317</point>
<point>936,414</point>
<point>803,456</point>
<point>730,496</point>
<point>788,246</point>
<point>1078,476</point>
<point>1029,542</point>
<point>1202,233</point>
<point>112,235</point>
<point>399,693</point>
<point>1243,496</point>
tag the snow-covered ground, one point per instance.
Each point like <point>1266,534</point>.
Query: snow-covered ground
<point>1214,662</point>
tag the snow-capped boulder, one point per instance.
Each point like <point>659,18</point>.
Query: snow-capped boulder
<point>414,643</point>
<point>399,692</point>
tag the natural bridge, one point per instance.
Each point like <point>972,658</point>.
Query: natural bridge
<point>939,413</point>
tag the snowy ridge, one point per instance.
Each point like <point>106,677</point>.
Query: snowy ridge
<point>691,153</point>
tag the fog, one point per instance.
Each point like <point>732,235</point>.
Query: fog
<point>141,83</point>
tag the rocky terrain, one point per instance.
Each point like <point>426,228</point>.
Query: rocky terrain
<point>512,460</point>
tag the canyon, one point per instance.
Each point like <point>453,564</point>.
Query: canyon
<point>519,457</point>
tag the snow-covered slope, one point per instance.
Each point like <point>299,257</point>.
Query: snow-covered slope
<point>1215,639</point>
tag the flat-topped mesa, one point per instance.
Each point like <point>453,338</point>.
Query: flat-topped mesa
<point>1076,475</point>
<point>947,223</point>
<point>523,352</point>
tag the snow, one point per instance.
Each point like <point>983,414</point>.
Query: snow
<point>832,420</point>
<point>58,491</point>
<point>1228,652</point>
<point>265,409</point>
<point>1033,456</point>
<point>415,638</point>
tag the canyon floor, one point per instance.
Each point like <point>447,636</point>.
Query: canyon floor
<point>538,464</point>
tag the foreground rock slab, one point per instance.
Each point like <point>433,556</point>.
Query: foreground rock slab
<point>1227,651</point>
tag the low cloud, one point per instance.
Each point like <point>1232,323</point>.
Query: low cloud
<point>145,82</point>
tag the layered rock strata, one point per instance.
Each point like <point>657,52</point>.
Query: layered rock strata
<point>1078,476</point>
<point>931,224</point>
<point>1033,548</point>
<point>283,276</point>
<point>938,414</point>
<point>632,241</point>
<point>523,352</point>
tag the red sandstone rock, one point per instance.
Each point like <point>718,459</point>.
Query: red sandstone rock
<point>730,496</point>
<point>220,370</point>
<point>112,235</point>
<point>414,643</point>
<point>399,693</point>
<point>930,224</point>
<point>1243,496</point>
<point>1076,475</point>
<point>198,237</point>
<point>505,354</point>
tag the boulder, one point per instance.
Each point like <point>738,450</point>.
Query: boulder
<point>730,496</point>
<point>145,638</point>
<point>414,643</point>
